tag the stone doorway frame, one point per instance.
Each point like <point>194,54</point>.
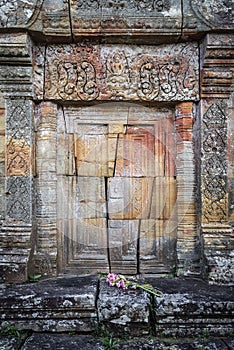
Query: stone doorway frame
<point>18,224</point>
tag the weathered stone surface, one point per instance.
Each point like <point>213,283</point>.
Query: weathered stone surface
<point>95,18</point>
<point>164,344</point>
<point>54,305</point>
<point>206,15</point>
<point>116,21</point>
<point>187,235</point>
<point>188,308</point>
<point>86,73</point>
<point>204,307</point>
<point>41,341</point>
<point>15,65</point>
<point>9,343</point>
<point>121,311</point>
<point>117,157</point>
<point>122,156</point>
<point>123,236</point>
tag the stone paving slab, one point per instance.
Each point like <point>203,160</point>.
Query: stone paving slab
<point>42,341</point>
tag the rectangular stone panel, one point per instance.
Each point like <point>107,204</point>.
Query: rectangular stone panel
<point>129,198</point>
<point>91,197</point>
<point>123,235</point>
<point>135,152</point>
<point>91,150</point>
<point>157,247</point>
<point>121,72</point>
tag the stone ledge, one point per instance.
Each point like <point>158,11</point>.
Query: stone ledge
<point>188,307</point>
<point>51,305</point>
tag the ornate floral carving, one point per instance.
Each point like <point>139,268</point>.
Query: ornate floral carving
<point>150,5</point>
<point>118,5</point>
<point>87,4</point>
<point>149,80</point>
<point>214,12</point>
<point>214,163</point>
<point>74,77</point>
<point>18,12</point>
<point>214,211</point>
<point>18,158</point>
<point>19,198</point>
<point>76,72</point>
<point>19,120</point>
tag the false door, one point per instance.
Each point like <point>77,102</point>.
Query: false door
<point>116,189</point>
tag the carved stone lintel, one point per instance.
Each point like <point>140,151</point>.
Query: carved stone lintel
<point>87,73</point>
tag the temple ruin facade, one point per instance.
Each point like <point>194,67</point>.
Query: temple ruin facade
<point>116,138</point>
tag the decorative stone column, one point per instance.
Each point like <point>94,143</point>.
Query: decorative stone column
<point>216,121</point>
<point>188,240</point>
<point>17,196</point>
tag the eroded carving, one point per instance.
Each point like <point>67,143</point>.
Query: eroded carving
<point>117,5</point>
<point>19,120</point>
<point>19,198</point>
<point>18,158</point>
<point>118,79</point>
<point>214,164</point>
<point>78,72</point>
<point>214,12</point>
<point>18,12</point>
<point>73,77</point>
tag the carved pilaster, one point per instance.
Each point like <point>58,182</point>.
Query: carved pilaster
<point>188,243</point>
<point>16,88</point>
<point>46,184</point>
<point>216,88</point>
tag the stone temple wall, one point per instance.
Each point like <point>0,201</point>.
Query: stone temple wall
<point>116,138</point>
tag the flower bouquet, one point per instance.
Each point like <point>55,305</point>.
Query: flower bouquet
<point>120,281</point>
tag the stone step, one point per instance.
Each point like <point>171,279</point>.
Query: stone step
<point>80,304</point>
<point>192,306</point>
<point>61,305</point>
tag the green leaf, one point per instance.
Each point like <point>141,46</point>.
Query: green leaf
<point>34,278</point>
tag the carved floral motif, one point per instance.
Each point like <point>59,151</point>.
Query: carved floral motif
<point>19,120</point>
<point>18,159</point>
<point>76,72</point>
<point>19,198</point>
<point>117,5</point>
<point>214,163</point>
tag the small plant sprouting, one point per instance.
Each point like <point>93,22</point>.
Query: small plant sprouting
<point>34,278</point>
<point>107,338</point>
<point>10,330</point>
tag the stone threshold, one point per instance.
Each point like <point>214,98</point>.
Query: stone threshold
<point>189,307</point>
